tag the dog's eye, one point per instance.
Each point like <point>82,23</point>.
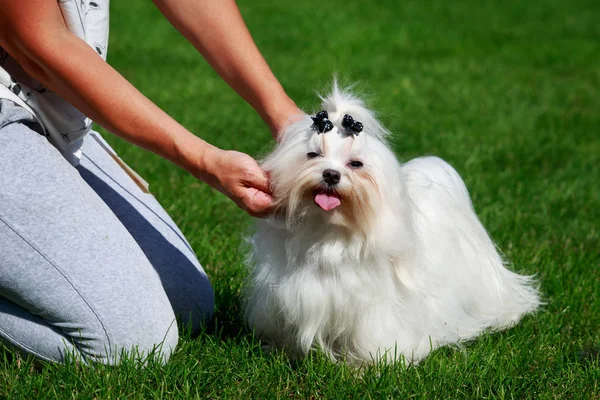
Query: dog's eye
<point>355,164</point>
<point>312,154</point>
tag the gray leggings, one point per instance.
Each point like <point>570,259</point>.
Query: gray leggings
<point>90,264</point>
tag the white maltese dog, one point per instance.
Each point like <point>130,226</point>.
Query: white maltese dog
<point>366,258</point>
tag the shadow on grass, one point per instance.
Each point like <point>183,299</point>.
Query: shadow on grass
<point>589,354</point>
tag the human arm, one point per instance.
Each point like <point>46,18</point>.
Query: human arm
<point>217,30</point>
<point>100,92</point>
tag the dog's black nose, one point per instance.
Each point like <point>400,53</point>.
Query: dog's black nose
<point>331,176</point>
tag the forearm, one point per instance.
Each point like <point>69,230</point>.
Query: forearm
<point>101,93</point>
<point>217,30</point>
<point>67,65</point>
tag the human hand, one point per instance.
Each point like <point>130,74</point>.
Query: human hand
<point>238,176</point>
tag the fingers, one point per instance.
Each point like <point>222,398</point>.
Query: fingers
<point>254,176</point>
<point>260,181</point>
<point>257,203</point>
<point>238,176</point>
<point>257,198</point>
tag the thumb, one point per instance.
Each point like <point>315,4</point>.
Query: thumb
<point>262,200</point>
<point>258,203</point>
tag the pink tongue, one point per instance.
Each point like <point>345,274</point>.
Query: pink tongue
<point>327,202</point>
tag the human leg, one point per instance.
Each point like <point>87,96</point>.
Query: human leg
<point>72,278</point>
<point>181,275</point>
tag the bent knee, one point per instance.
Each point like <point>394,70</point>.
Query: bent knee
<point>145,338</point>
<point>140,337</point>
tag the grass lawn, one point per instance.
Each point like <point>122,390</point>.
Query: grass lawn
<point>507,92</point>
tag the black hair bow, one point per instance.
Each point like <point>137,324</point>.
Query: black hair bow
<point>352,126</point>
<point>321,122</point>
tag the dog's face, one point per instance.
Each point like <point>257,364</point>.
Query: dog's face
<point>336,176</point>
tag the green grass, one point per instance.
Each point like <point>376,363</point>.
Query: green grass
<point>507,92</point>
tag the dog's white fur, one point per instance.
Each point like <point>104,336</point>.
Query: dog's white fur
<point>401,267</point>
